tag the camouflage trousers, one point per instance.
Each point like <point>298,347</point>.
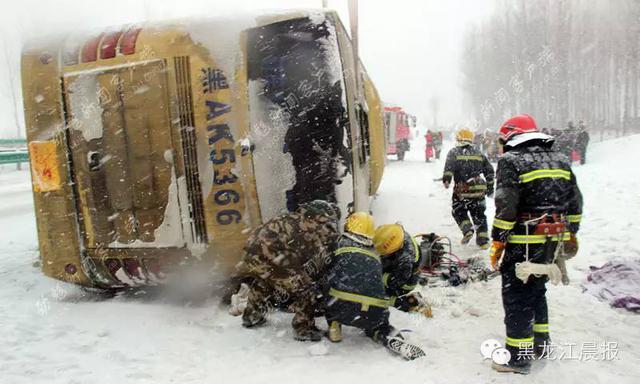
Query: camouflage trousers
<point>266,295</point>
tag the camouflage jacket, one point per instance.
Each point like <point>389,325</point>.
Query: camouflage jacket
<point>294,246</point>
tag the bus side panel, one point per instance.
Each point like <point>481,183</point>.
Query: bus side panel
<point>376,135</point>
<point>54,204</point>
<point>360,165</point>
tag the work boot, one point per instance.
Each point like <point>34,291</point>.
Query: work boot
<point>335,332</point>
<point>467,237</point>
<point>307,334</point>
<point>484,245</point>
<point>517,363</point>
<point>522,367</point>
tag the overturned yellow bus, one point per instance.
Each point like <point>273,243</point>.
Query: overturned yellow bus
<point>160,145</point>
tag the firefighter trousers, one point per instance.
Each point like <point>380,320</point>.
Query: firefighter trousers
<point>526,315</point>
<point>469,215</point>
<point>374,321</point>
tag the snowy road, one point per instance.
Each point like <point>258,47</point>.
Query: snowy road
<point>50,332</point>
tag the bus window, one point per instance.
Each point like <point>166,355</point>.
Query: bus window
<point>365,150</point>
<point>297,111</point>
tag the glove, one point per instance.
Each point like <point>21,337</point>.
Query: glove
<point>418,304</point>
<point>571,247</point>
<point>495,253</point>
<point>423,309</point>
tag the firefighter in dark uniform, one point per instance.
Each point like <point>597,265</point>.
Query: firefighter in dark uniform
<point>356,294</point>
<point>286,258</point>
<point>538,211</point>
<point>401,263</point>
<point>466,165</point>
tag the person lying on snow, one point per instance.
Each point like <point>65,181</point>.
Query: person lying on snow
<point>401,263</point>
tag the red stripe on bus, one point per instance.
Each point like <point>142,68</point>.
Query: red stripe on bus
<point>128,43</point>
<point>109,45</point>
<point>90,50</point>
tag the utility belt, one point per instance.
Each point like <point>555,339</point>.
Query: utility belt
<point>467,190</point>
<point>544,229</point>
<point>545,224</point>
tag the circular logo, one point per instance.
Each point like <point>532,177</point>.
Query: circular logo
<point>501,356</point>
<point>493,349</point>
<point>488,346</point>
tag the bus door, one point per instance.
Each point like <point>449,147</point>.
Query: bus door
<point>123,157</point>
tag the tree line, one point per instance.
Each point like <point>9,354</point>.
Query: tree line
<point>558,60</point>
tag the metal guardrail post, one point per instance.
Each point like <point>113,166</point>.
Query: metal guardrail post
<point>14,157</point>
<point>17,156</point>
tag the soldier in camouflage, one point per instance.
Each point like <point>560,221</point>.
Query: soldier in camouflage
<point>286,257</point>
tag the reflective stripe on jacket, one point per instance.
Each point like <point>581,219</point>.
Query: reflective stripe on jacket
<point>355,272</point>
<point>534,179</point>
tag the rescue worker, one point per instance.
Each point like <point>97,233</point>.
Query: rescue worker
<point>437,143</point>
<point>466,166</point>
<point>356,294</point>
<point>582,142</point>
<point>401,263</point>
<point>491,145</point>
<point>565,140</point>
<point>538,211</point>
<point>429,148</point>
<point>286,257</point>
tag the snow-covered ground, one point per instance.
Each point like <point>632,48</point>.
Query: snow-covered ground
<point>51,332</point>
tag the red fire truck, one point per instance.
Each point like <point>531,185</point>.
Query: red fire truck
<point>398,126</point>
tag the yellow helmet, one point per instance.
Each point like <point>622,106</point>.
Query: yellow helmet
<point>465,134</point>
<point>360,223</point>
<point>388,238</point>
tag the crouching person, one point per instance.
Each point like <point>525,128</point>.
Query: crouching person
<point>401,262</point>
<point>356,293</point>
<point>285,258</point>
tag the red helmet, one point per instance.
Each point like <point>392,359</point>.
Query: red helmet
<point>516,125</point>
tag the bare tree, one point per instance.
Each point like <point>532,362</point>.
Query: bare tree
<point>558,60</point>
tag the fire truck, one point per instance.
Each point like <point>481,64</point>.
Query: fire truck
<point>157,146</point>
<point>398,126</point>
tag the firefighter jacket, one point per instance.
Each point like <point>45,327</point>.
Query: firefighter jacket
<point>533,180</point>
<point>355,273</point>
<point>466,165</point>
<point>401,269</point>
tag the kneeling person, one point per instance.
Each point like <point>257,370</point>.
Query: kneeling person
<point>401,262</point>
<point>286,257</point>
<point>356,294</point>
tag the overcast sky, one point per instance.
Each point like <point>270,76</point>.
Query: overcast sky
<point>410,47</point>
